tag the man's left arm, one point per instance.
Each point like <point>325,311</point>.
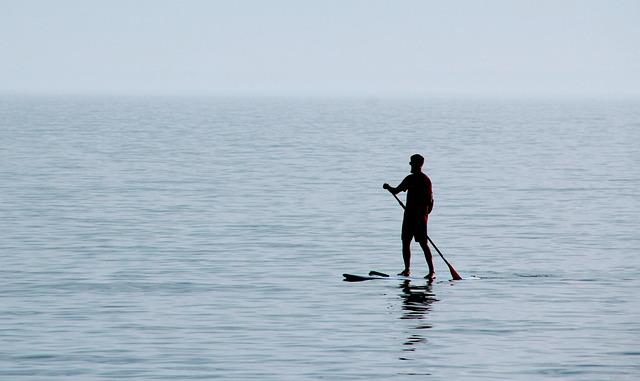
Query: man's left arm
<point>401,188</point>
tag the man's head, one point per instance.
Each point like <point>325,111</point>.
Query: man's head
<point>416,163</point>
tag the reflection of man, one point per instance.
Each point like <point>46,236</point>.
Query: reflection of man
<point>419,205</point>
<point>416,304</point>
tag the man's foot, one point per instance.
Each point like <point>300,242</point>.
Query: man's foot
<point>405,273</point>
<point>430,277</point>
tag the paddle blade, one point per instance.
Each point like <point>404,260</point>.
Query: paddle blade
<point>454,273</point>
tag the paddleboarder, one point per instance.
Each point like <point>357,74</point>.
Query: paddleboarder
<point>416,214</point>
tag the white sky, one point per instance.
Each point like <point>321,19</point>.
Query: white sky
<point>322,47</point>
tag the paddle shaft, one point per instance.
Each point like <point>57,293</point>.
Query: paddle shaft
<point>453,271</point>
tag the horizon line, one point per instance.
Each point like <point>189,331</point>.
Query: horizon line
<point>320,95</point>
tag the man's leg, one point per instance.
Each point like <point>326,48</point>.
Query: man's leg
<point>428,257</point>
<point>406,256</point>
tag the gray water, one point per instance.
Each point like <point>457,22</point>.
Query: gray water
<point>178,238</point>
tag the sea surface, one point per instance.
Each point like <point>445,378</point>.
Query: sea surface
<point>206,238</point>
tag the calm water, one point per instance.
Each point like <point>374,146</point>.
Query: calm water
<point>205,238</point>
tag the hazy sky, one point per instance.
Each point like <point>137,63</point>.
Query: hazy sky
<point>341,47</point>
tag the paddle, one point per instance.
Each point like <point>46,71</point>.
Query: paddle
<point>454,273</point>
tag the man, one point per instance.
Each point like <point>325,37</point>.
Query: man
<point>416,213</point>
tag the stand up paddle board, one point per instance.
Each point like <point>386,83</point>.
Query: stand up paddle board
<point>373,275</point>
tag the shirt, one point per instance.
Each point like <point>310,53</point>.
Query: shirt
<point>419,193</point>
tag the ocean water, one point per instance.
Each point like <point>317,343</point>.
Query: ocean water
<point>205,238</point>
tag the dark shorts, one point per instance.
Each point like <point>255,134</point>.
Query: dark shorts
<point>414,227</point>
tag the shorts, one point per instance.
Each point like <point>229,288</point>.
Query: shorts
<point>415,227</point>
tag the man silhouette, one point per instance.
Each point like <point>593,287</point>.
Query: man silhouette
<point>416,213</point>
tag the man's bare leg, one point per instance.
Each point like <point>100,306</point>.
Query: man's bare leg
<point>429,258</point>
<point>406,256</point>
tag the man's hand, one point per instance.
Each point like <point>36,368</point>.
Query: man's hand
<point>386,186</point>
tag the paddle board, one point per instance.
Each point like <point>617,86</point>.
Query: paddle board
<point>373,275</point>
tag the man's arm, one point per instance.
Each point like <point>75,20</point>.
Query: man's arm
<point>401,188</point>
<point>390,188</point>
